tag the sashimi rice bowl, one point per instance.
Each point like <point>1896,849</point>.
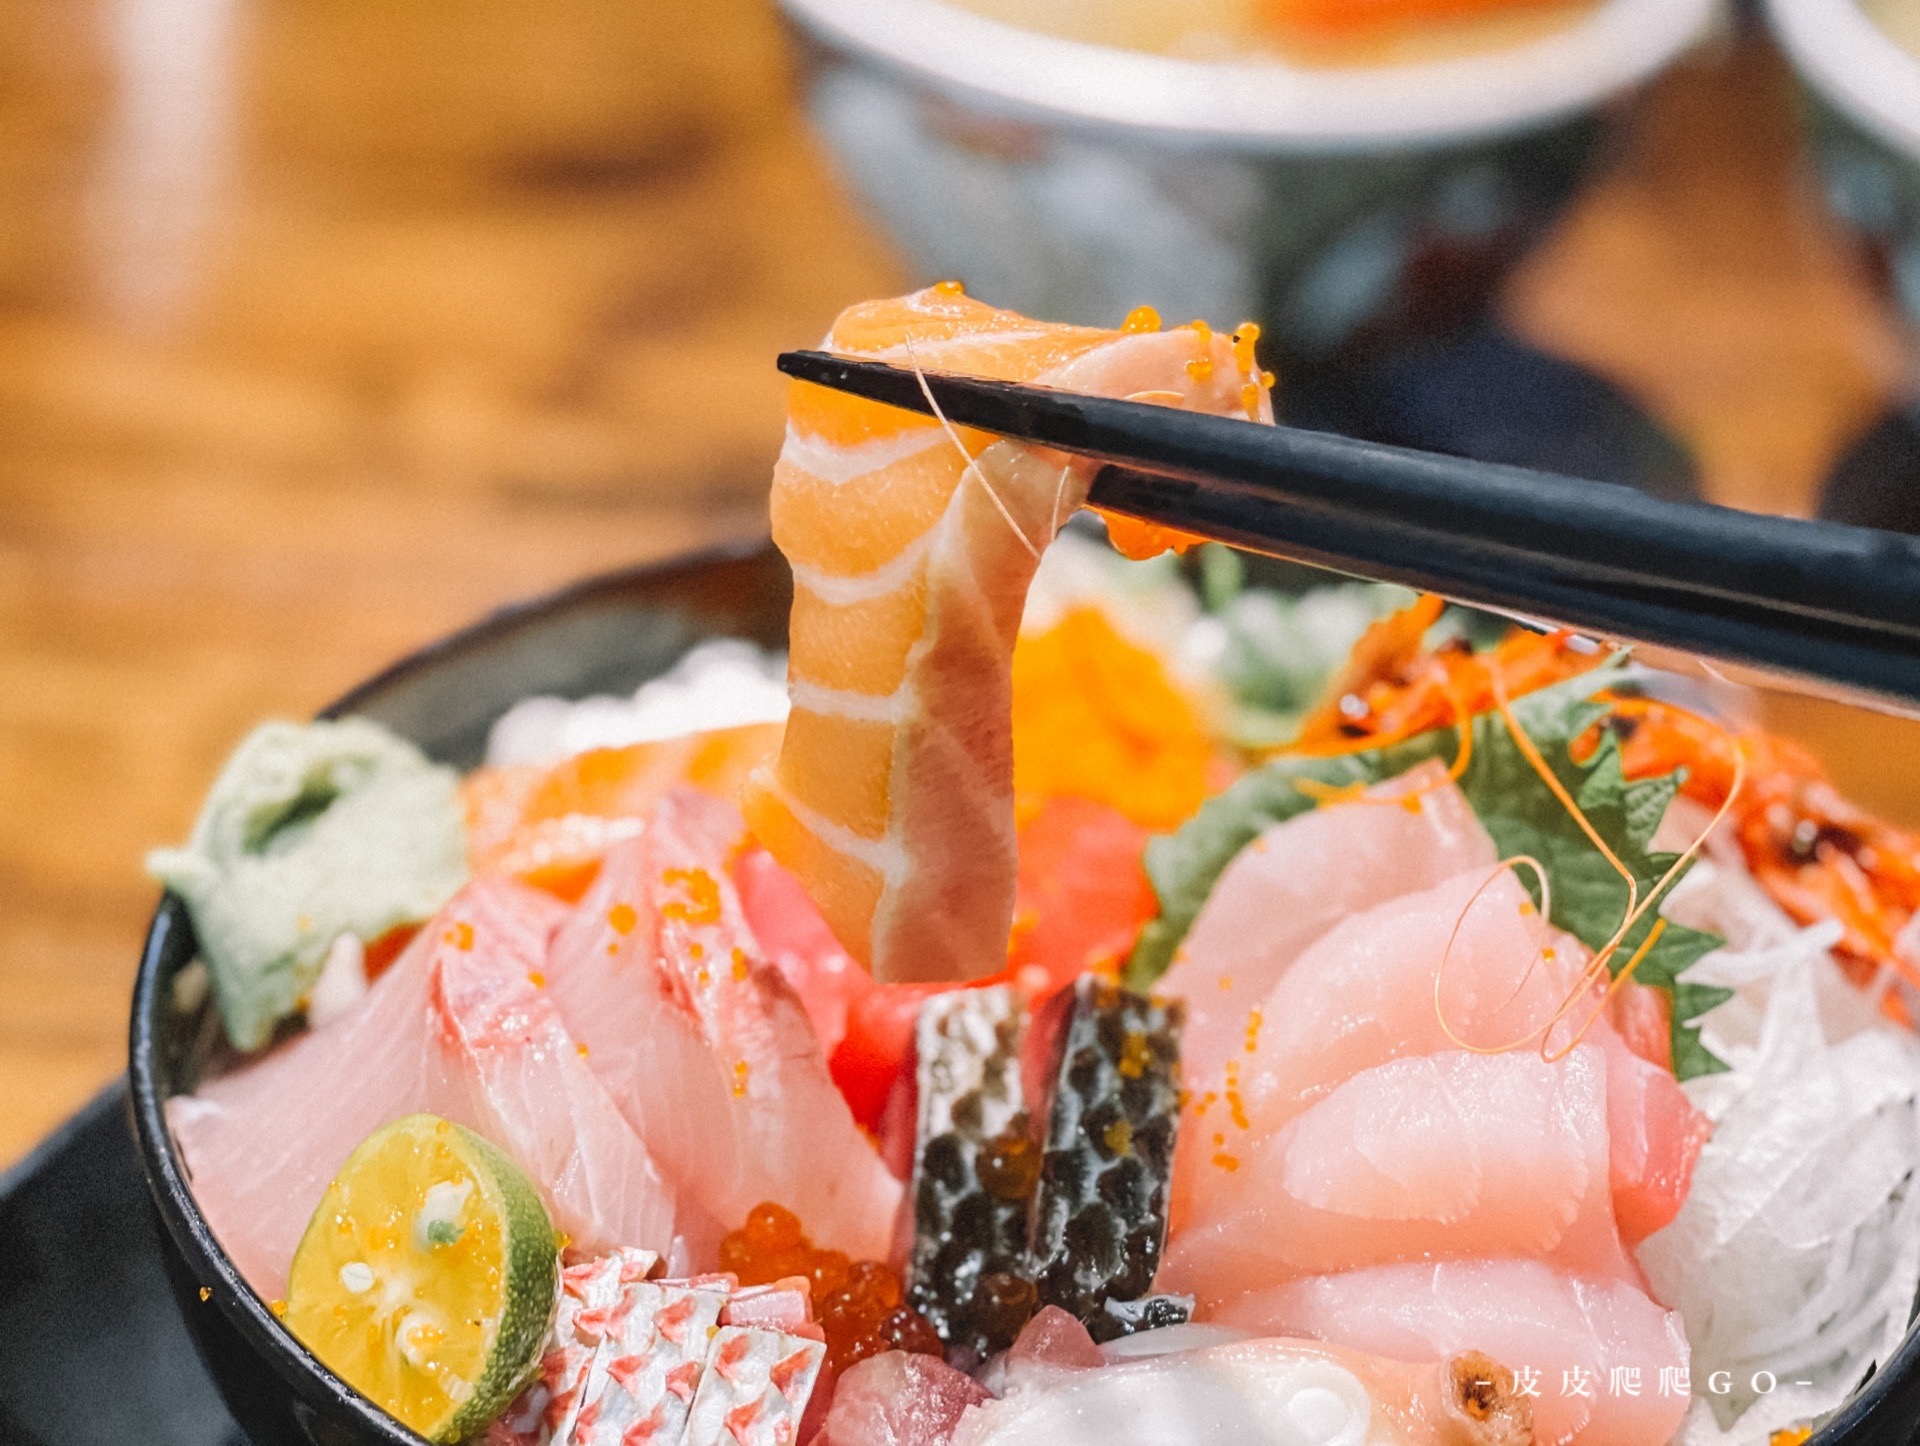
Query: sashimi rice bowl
<point>1082,992</point>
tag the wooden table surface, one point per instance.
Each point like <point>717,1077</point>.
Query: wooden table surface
<point>326,325</point>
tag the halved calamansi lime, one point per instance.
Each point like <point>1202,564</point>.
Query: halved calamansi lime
<point>427,1276</point>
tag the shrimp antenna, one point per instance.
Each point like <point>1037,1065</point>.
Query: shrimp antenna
<point>972,468</point>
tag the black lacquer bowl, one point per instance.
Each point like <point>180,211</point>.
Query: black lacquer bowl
<point>605,635</point>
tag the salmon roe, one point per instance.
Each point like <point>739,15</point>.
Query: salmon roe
<point>857,1302</point>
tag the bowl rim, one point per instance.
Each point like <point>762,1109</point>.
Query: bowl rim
<point>1849,61</point>
<point>1874,1415</point>
<point>185,1227</point>
<point>1267,107</point>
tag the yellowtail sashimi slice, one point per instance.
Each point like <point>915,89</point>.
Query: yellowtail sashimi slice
<point>456,1027</point>
<point>1606,1365</point>
<point>912,550</point>
<point>1426,1157</point>
<point>1297,880</point>
<point>704,1044</point>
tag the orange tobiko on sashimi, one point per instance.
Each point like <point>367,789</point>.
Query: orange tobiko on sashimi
<point>1097,717</point>
<point>549,826</point>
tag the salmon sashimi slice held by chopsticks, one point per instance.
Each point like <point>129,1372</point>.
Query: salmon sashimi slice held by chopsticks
<point>913,544</point>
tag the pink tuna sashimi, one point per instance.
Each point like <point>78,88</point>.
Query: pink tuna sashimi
<point>797,941</point>
<point>1656,1136</point>
<point>704,1044</point>
<point>1297,880</point>
<point>1427,1157</point>
<point>896,1399</point>
<point>1604,1361</point>
<point>453,1028</point>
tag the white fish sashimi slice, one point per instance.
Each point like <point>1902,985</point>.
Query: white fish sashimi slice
<point>1605,1362</point>
<point>454,1028</point>
<point>1469,961</point>
<point>704,1045</point>
<point>1266,1392</point>
<point>261,1144</point>
<point>526,1086</point>
<point>1298,879</point>
<point>1364,993</point>
<point>1428,1157</point>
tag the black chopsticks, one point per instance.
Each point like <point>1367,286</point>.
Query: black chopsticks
<point>1834,604</point>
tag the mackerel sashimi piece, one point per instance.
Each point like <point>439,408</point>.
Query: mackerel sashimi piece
<point>1426,1157</point>
<point>1298,879</point>
<point>1606,1366</point>
<point>704,1045</point>
<point>912,548</point>
<point>456,1028</point>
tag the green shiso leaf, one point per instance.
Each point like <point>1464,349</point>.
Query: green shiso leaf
<point>1589,898</point>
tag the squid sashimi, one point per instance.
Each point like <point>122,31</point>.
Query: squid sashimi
<point>1298,879</point>
<point>1264,1393</point>
<point>1606,1364</point>
<point>456,1028</point>
<point>912,547</point>
<point>1425,1157</point>
<point>702,1042</point>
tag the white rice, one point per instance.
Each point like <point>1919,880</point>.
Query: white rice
<point>720,684</point>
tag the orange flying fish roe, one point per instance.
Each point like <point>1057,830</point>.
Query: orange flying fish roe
<point>740,1074</point>
<point>1141,540</point>
<point>739,965</point>
<point>1098,717</point>
<point>1254,1021</point>
<point>1141,319</point>
<point>621,918</point>
<point>950,288</point>
<point>1243,340</point>
<point>461,935</point>
<point>537,979</point>
<point>700,896</point>
<point>1201,367</point>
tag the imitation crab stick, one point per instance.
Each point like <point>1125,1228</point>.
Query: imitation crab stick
<point>912,545</point>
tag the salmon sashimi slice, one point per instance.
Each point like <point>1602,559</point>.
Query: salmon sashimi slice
<point>1426,1157</point>
<point>703,1043</point>
<point>1607,1365</point>
<point>456,1028</point>
<point>912,547</point>
<point>1294,882</point>
<point>550,824</point>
